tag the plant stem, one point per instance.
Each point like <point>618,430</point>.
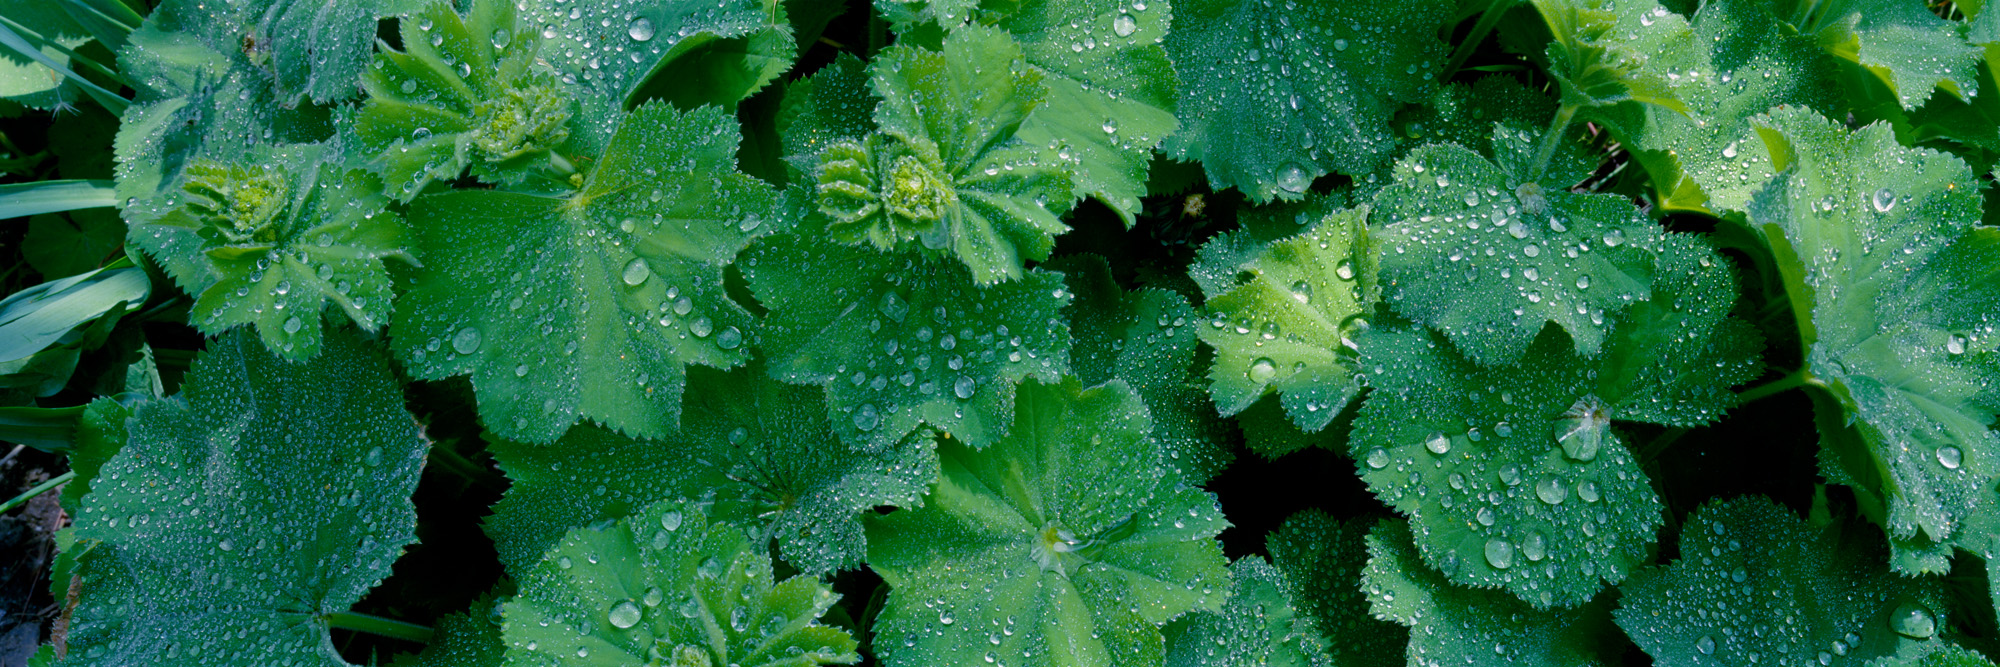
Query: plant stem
<point>39,489</point>
<point>1550,141</point>
<point>1790,381</point>
<point>376,625</point>
<point>1487,20</point>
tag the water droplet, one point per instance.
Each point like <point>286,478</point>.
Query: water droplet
<point>671,521</point>
<point>1950,457</point>
<point>1913,620</point>
<point>467,340</point>
<point>1340,45</point>
<point>1262,370</point>
<point>1729,152</point>
<point>640,29</point>
<point>624,615</point>
<point>701,327</point>
<point>1551,491</point>
<point>1955,344</point>
<point>373,457</point>
<point>1883,200</point>
<point>1124,25</point>
<point>1378,458</point>
<point>292,325</point>
<point>964,387</point>
<point>1438,443</point>
<point>1499,553</point>
<point>1535,546</point>
<point>1706,645</point>
<point>1614,238</point>
<point>1345,269</point>
<point>502,37</point>
<point>867,417</point>
<point>729,339</point>
<point>1583,429</point>
<point>1292,178</point>
<point>637,271</point>
<point>1302,292</point>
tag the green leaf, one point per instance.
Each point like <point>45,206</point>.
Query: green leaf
<point>1739,61</point>
<point>51,313</point>
<point>1513,473</point>
<point>465,91</point>
<point>59,246</point>
<point>1901,41</point>
<point>1934,654</point>
<point>1271,99</point>
<point>761,450</point>
<point>589,306</point>
<point>1755,580</point>
<point>609,50</point>
<point>668,586</point>
<point>100,433</point>
<point>20,200</point>
<point>1065,543</point>
<point>1323,559</point>
<point>900,340</point>
<point>947,168</point>
<point>1285,325</point>
<point>1256,627</point>
<point>1895,290</point>
<point>318,49</point>
<point>1601,48</point>
<point>834,104</point>
<point>466,639</point>
<point>1453,625</point>
<point>1111,89</point>
<point>1146,338</point>
<point>1488,257</point>
<point>283,489</point>
<point>284,231</point>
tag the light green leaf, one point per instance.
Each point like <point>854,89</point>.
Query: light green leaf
<point>1065,543</point>
<point>1271,100</point>
<point>668,586</point>
<point>35,318</point>
<point>1146,338</point>
<point>1601,48</point>
<point>900,340</point>
<point>282,488</point>
<point>1513,473</point>
<point>464,91</point>
<point>1754,580</point>
<point>1896,294</point>
<point>1323,559</point>
<point>285,232</point>
<point>1453,625</point>
<point>946,168</point>
<point>760,450</point>
<point>1901,41</point>
<point>610,51</point>
<point>590,306</point>
<point>834,104</point>
<point>1255,628</point>
<point>467,639</point>
<point>317,49</point>
<point>1488,258</point>
<point>20,200</point>
<point>1111,89</point>
<point>1285,325</point>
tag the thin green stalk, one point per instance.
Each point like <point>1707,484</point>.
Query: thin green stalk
<point>111,101</point>
<point>39,489</point>
<point>1495,9</point>
<point>1557,128</point>
<point>67,52</point>
<point>130,22</point>
<point>1793,380</point>
<point>376,625</point>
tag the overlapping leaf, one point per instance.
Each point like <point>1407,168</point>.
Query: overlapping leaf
<point>1753,580</point>
<point>1602,47</point>
<point>281,490</point>
<point>1488,257</point>
<point>284,232</point>
<point>1256,627</point>
<point>668,586</point>
<point>760,450</point>
<point>590,306</point>
<point>1285,326</point>
<point>1901,41</point>
<point>900,340</point>
<point>618,54</point>
<point>1065,543</point>
<point>1454,625</point>
<point>1896,293</point>
<point>1271,99</point>
<point>1513,473</point>
<point>1323,560</point>
<point>1146,338</point>
<point>947,172</point>
<point>465,91</point>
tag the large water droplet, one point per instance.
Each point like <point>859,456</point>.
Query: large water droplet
<point>1535,546</point>
<point>1883,200</point>
<point>1292,178</point>
<point>867,417</point>
<point>964,387</point>
<point>1706,645</point>
<point>1955,344</point>
<point>1950,457</point>
<point>640,29</point>
<point>1913,620</point>
<point>293,324</point>
<point>501,37</point>
<point>1262,370</point>
<point>1499,553</point>
<point>1124,25</point>
<point>623,615</point>
<point>637,271</point>
<point>1438,443</point>
<point>1551,491</point>
<point>467,340</point>
<point>1378,458</point>
<point>671,521</point>
<point>1583,429</point>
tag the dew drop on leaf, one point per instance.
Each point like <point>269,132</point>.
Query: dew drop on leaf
<point>637,271</point>
<point>1263,369</point>
<point>1950,457</point>
<point>1913,620</point>
<point>1884,200</point>
<point>1438,443</point>
<point>1292,178</point>
<point>466,341</point>
<point>640,29</point>
<point>1124,25</point>
<point>1499,553</point>
<point>623,615</point>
